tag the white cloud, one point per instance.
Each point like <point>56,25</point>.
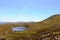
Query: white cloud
<point>28,18</point>
<point>20,18</point>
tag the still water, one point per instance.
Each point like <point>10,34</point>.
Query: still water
<point>18,28</point>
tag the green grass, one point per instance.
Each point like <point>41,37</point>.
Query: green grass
<point>51,24</point>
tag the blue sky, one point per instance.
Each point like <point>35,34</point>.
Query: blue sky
<point>27,10</point>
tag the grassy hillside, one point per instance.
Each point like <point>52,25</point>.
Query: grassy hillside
<point>33,30</point>
<point>50,24</point>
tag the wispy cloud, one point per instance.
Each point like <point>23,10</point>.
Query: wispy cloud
<point>28,3</point>
<point>21,16</point>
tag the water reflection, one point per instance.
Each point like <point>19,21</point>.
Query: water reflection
<point>18,28</point>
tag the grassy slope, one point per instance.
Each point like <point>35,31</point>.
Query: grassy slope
<point>50,24</point>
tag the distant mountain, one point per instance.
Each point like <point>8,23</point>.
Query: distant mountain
<point>2,22</point>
